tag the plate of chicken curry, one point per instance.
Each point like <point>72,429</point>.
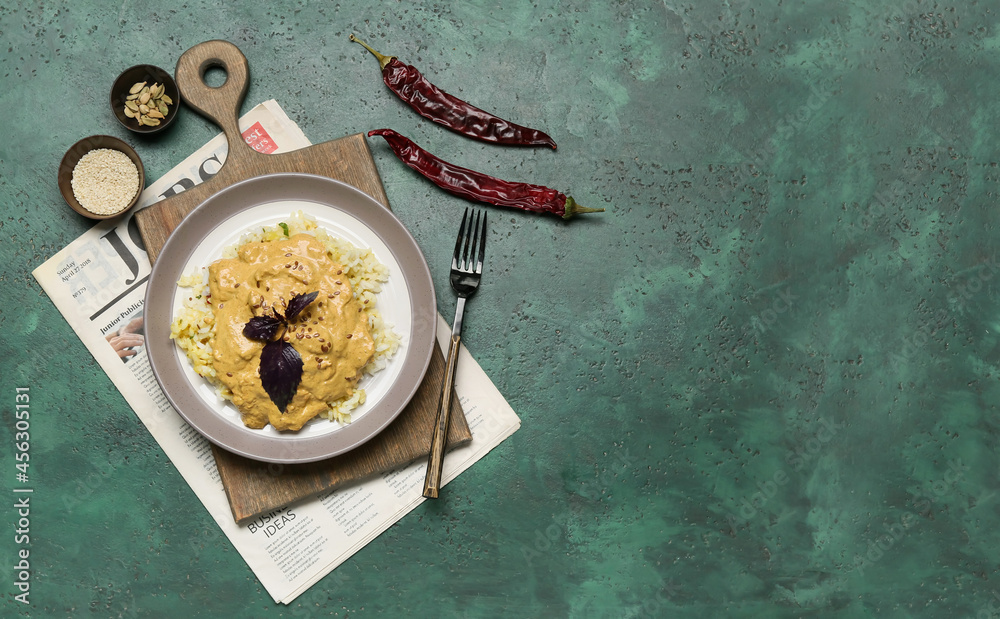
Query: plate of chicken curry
<point>290,318</point>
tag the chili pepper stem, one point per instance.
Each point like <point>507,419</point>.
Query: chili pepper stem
<point>382,59</point>
<point>573,207</point>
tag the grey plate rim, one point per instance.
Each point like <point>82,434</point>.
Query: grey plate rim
<point>222,206</point>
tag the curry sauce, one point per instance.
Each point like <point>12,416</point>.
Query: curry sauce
<point>331,334</point>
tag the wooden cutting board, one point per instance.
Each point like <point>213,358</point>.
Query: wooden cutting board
<point>254,488</point>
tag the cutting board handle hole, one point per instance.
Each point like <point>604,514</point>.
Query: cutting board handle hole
<point>214,75</point>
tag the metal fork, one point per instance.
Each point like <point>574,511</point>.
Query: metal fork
<point>466,271</point>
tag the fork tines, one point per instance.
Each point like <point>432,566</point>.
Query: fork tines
<point>472,234</point>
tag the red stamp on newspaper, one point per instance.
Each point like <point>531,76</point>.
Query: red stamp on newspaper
<point>259,140</point>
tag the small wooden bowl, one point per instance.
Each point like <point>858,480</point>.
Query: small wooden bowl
<point>73,156</point>
<point>151,75</point>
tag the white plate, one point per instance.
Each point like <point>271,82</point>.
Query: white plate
<point>406,302</point>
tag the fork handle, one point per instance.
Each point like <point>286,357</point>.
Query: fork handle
<point>435,461</point>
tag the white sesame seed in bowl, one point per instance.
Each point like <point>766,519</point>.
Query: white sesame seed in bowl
<point>101,177</point>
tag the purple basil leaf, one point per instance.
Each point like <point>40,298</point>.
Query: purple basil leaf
<point>262,328</point>
<point>299,303</point>
<point>280,372</point>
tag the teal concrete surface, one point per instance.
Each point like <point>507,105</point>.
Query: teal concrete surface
<point>762,384</point>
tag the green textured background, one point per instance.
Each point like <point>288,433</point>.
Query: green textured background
<point>763,383</point>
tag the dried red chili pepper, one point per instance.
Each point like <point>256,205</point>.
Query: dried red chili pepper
<point>435,104</point>
<point>478,186</point>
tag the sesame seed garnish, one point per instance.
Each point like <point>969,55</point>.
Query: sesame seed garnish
<point>104,181</point>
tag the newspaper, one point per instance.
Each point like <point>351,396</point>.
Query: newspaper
<point>98,283</point>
